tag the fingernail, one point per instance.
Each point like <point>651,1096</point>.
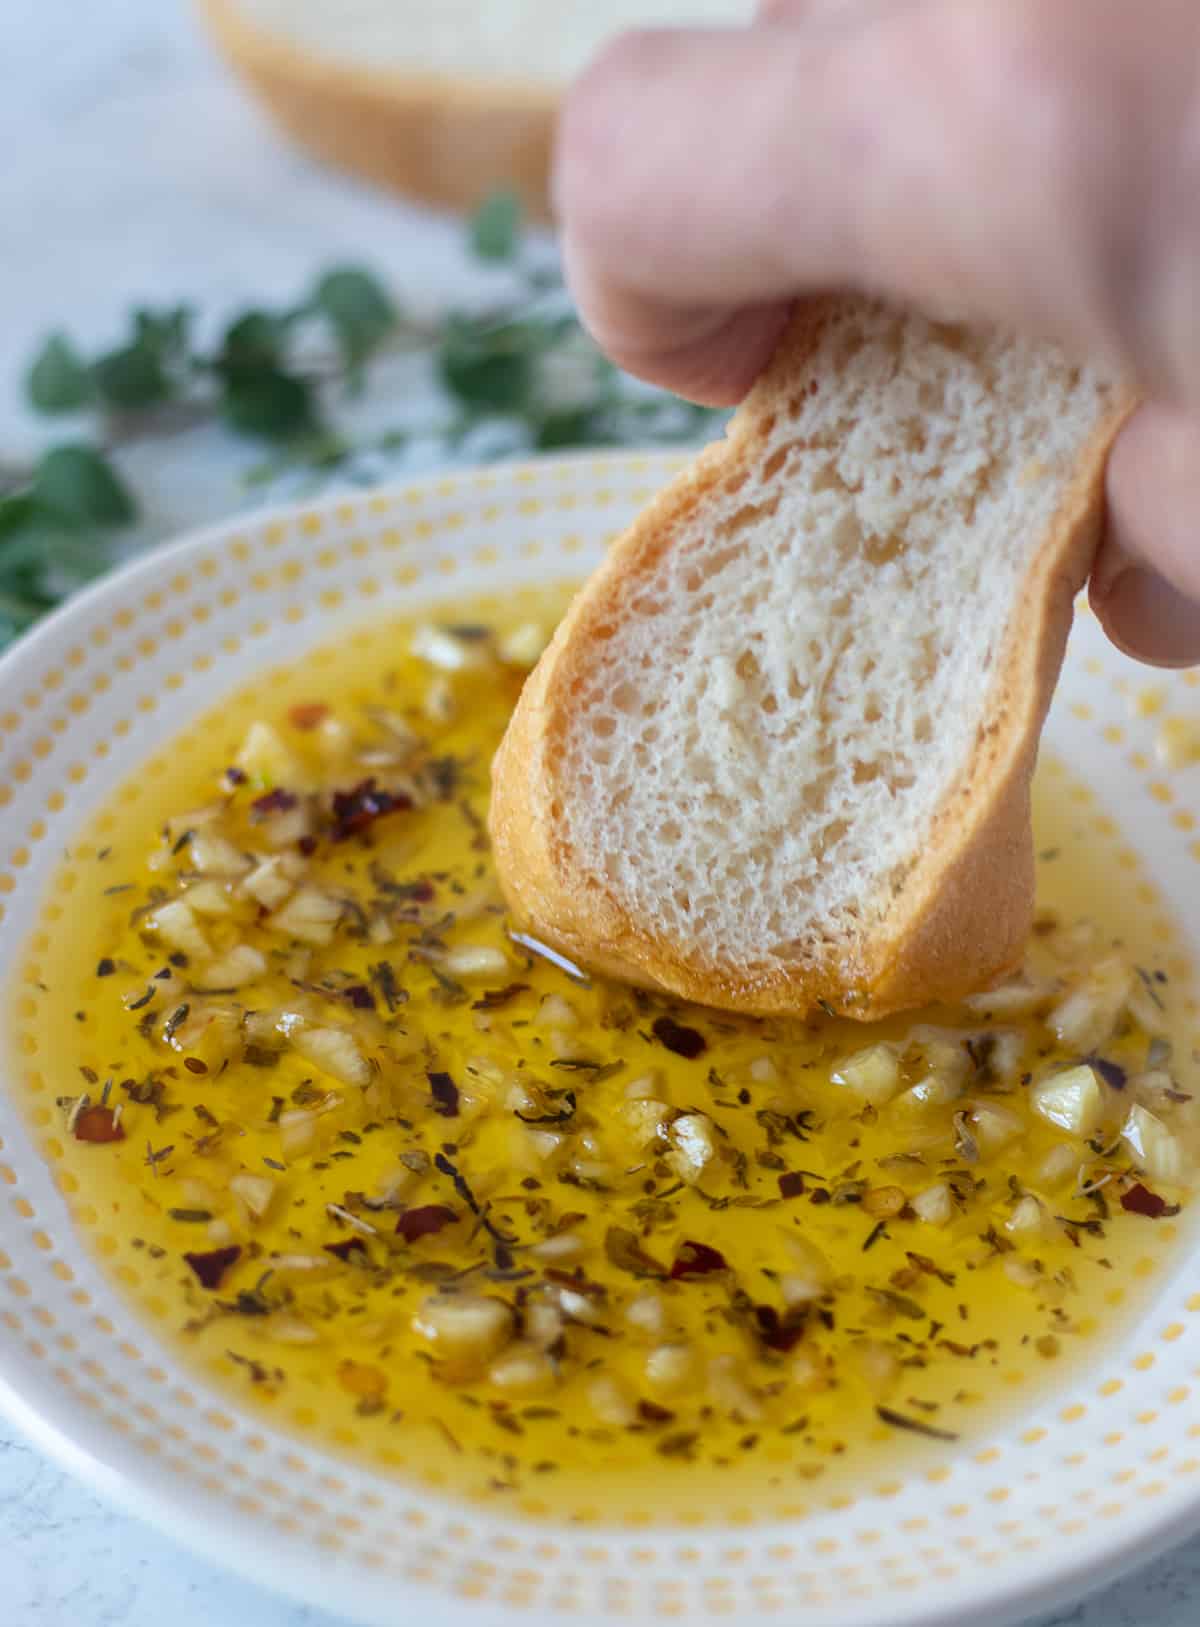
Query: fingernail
<point>1147,618</point>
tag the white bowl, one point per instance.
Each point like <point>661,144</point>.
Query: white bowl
<point>1059,1500</point>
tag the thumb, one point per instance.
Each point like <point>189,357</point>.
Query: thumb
<point>1145,586</point>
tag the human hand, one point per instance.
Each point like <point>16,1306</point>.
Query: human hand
<point>1030,163</point>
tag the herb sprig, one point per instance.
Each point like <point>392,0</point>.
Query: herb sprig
<point>519,376</point>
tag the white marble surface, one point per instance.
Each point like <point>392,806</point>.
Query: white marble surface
<point>134,169</point>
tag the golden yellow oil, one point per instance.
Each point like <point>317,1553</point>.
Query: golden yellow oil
<point>924,1322</point>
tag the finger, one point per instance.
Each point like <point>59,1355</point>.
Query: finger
<point>1008,161</point>
<point>710,353</point>
<point>1145,586</point>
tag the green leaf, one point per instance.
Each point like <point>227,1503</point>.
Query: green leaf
<point>18,612</point>
<point>76,483</point>
<point>357,308</point>
<point>16,511</point>
<point>496,227</point>
<point>268,402</point>
<point>166,332</point>
<point>49,546</point>
<point>256,339</point>
<point>58,379</point>
<point>490,367</point>
<point>570,426</point>
<point>131,378</point>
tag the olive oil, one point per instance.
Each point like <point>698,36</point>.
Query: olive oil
<point>384,1171</point>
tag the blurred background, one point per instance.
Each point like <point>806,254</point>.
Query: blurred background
<point>254,249</point>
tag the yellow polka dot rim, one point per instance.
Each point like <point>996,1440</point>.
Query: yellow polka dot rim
<point>1094,1479</point>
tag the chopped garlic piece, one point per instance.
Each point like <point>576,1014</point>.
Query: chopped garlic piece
<point>209,898</point>
<point>610,1402</point>
<point>1087,1017</point>
<point>1029,1220</point>
<point>334,1050</point>
<point>729,1390</point>
<point>935,1205</point>
<point>693,1146</point>
<point>268,884</point>
<point>297,1131</point>
<point>670,1368</point>
<point>994,1126</point>
<point>239,965</point>
<point>475,960</point>
<point>212,1035</point>
<point>439,704</point>
<point>811,1276</point>
<point>873,1074</point>
<point>464,1326</point>
<point>1060,1164</point>
<point>523,1369</point>
<point>442,648</point>
<point>213,855</point>
<point>1156,1149</point>
<point>646,1119</point>
<point>1014,999</point>
<point>254,1192</point>
<point>1072,1099</point>
<point>523,645</point>
<point>266,760</point>
<point>878,1365</point>
<point>563,1246</point>
<point>309,915</point>
<point>176,924</point>
<point>302,1266</point>
<point>543,1324</point>
<point>647,1312</point>
<point>1146,1008</point>
<point>555,1012</point>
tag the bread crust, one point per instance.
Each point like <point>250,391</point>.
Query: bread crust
<point>444,140</point>
<point>977,865</point>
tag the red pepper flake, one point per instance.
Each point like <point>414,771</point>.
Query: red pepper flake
<point>307,846</point>
<point>346,1251</point>
<point>1139,1200</point>
<point>194,1064</point>
<point>360,997</point>
<point>424,1221</point>
<point>273,802</point>
<point>361,806</point>
<point>210,1268</point>
<point>696,1260</point>
<point>651,1413</point>
<point>307,715</point>
<point>791,1184</point>
<point>445,1094</point>
<point>688,1042</point>
<point>235,776</point>
<point>98,1124</point>
<point>779,1332</point>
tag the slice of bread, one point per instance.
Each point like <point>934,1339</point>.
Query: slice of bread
<point>446,100</point>
<point>778,754</point>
